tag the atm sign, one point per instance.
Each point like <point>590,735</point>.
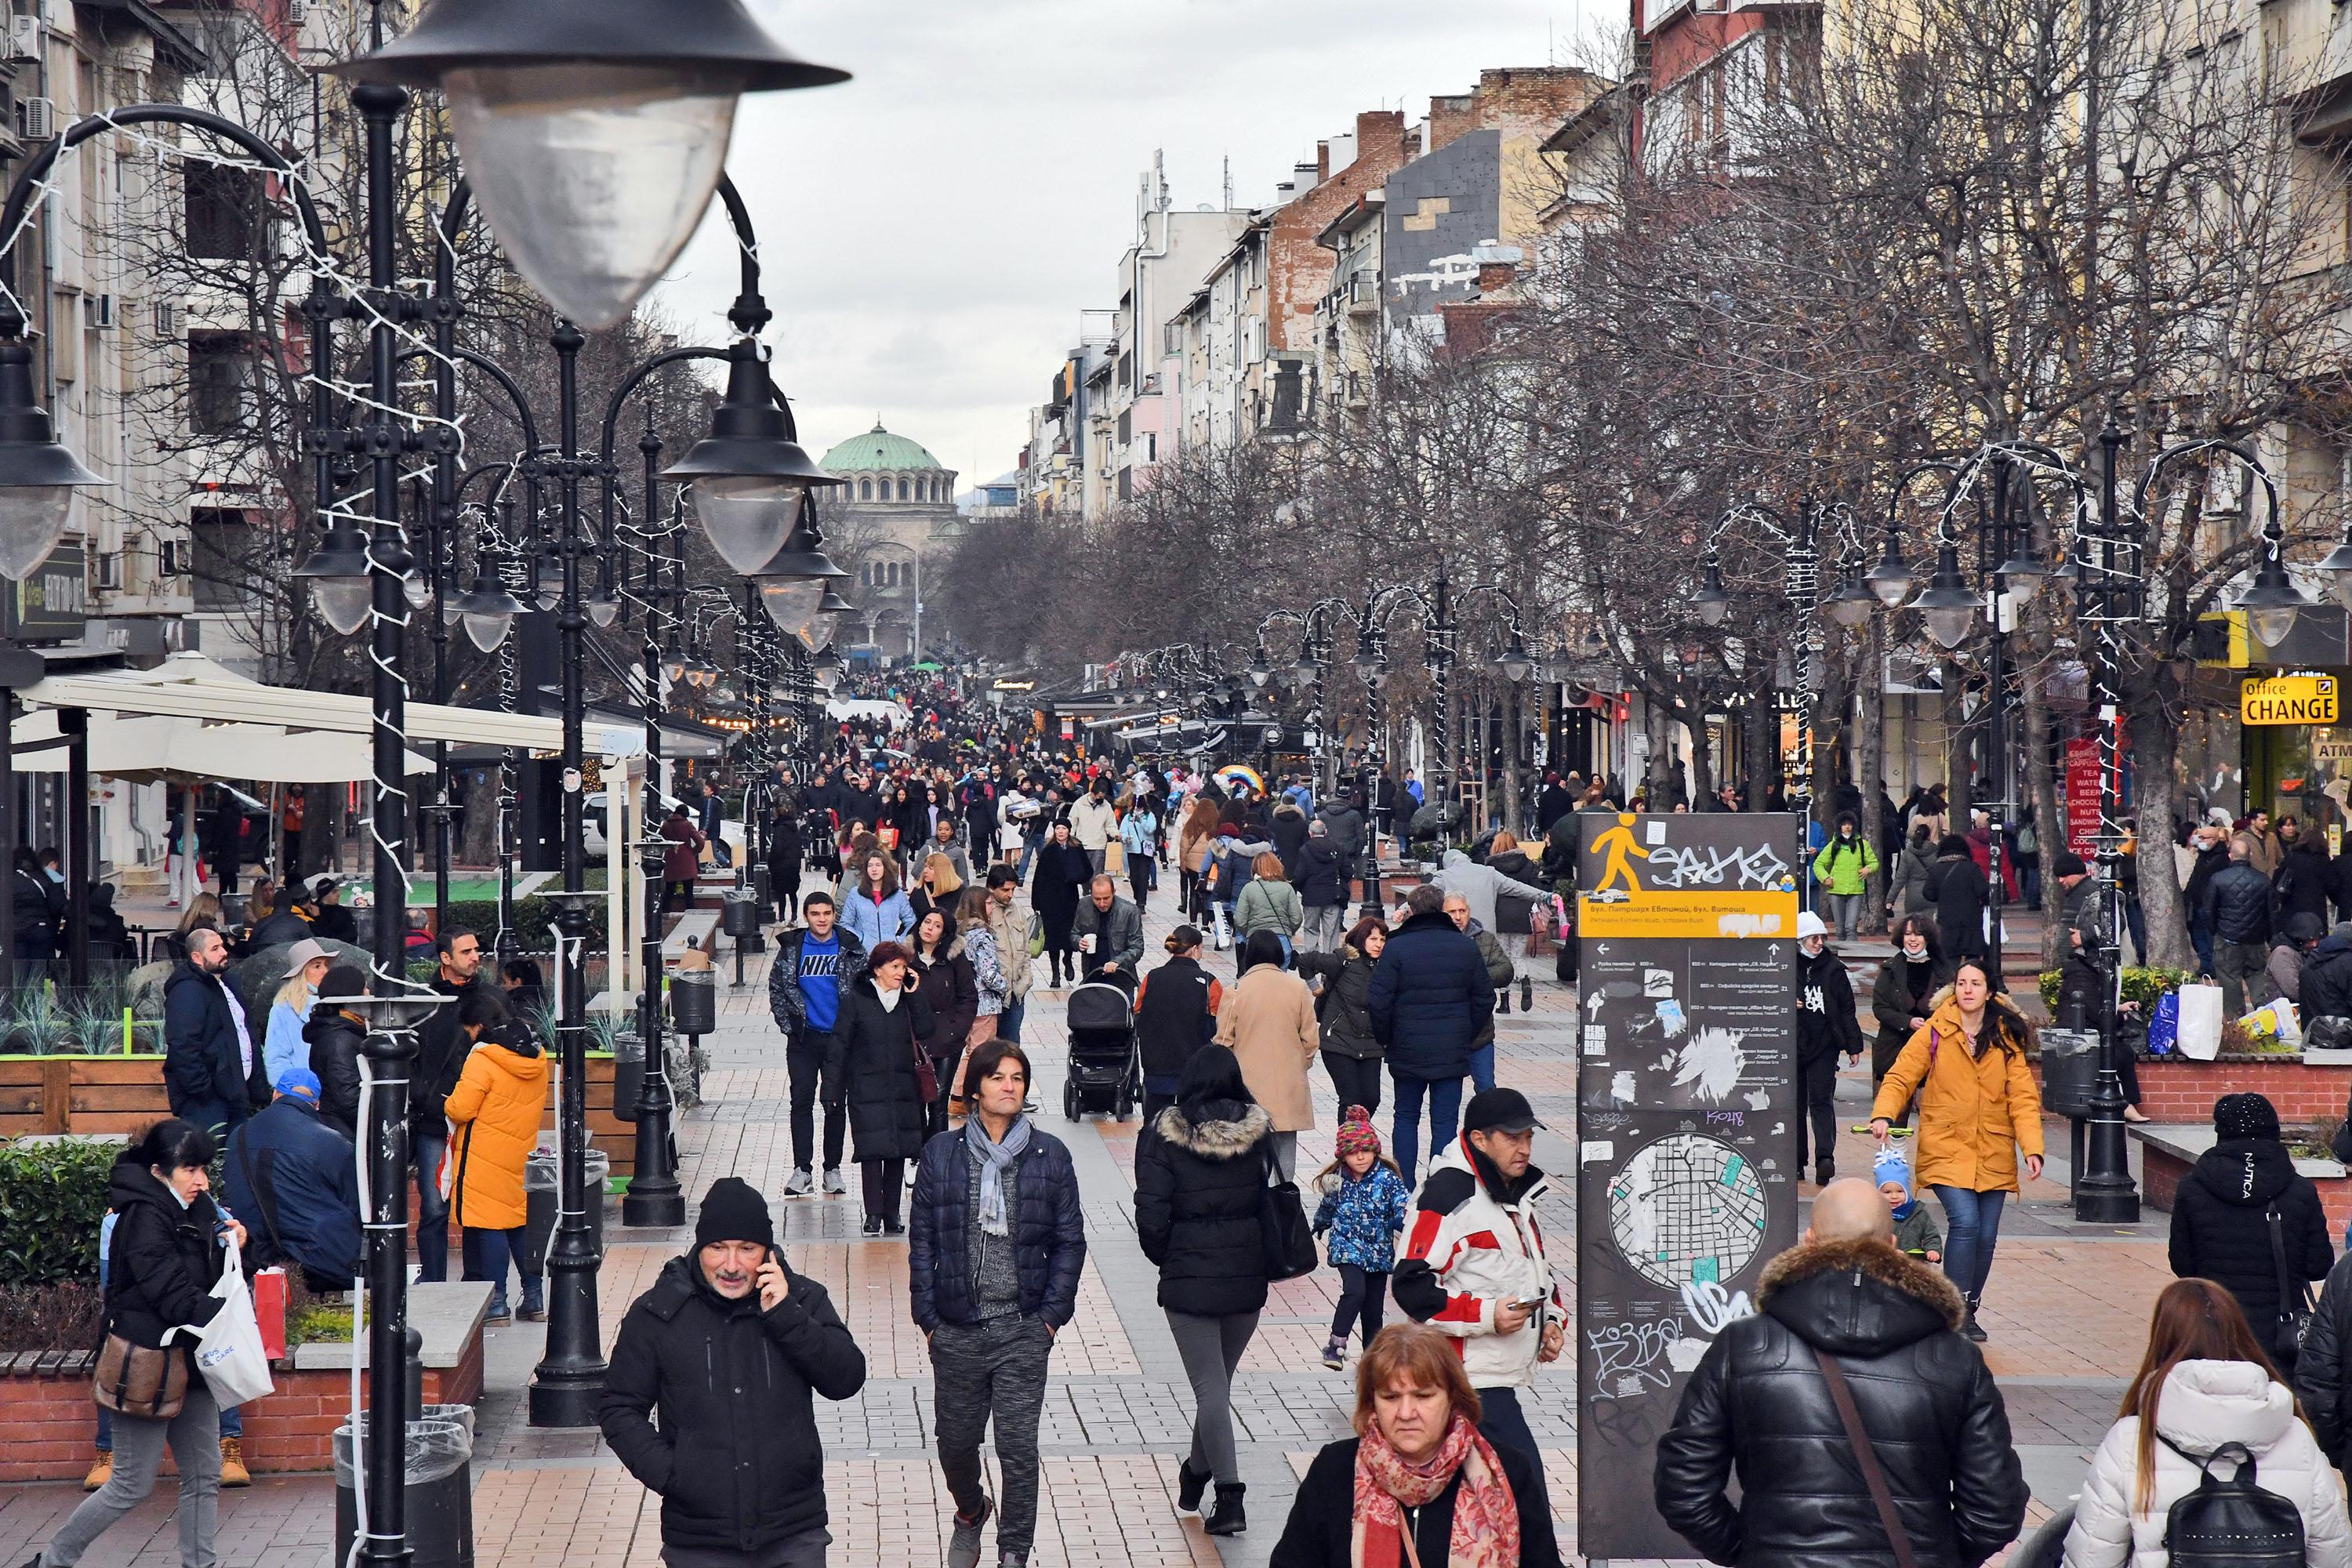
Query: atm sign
<point>2289,699</point>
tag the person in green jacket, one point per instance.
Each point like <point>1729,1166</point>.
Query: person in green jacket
<point>1844,865</point>
<point>1268,903</point>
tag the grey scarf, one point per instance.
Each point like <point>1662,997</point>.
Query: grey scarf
<point>995,1160</point>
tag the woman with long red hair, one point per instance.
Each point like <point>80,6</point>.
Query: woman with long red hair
<point>2205,1382</point>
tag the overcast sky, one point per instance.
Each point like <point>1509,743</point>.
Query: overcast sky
<point>930,229</point>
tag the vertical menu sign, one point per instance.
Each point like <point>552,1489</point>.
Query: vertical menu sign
<point>1686,1109</point>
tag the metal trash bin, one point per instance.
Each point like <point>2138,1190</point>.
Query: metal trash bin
<point>694,1000</point>
<point>628,1072</point>
<point>739,913</point>
<point>2071,1059</point>
<point>440,1490</point>
<point>542,1196</point>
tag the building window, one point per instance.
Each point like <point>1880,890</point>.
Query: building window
<point>866,489</point>
<point>906,491</point>
<point>221,558</point>
<point>223,213</point>
<point>224,398</point>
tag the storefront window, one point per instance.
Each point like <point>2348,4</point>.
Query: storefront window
<point>2209,769</point>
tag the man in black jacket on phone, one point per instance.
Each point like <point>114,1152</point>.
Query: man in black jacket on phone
<point>727,1349</point>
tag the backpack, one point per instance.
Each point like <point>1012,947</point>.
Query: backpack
<point>2234,1523</point>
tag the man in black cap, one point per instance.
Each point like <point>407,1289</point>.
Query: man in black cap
<point>726,1346</point>
<point>1475,1267</point>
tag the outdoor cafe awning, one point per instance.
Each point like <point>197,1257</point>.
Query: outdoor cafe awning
<point>145,749</point>
<point>189,686</point>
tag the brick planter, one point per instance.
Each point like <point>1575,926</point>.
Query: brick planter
<point>51,1422</point>
<point>2174,1088</point>
<point>2165,1164</point>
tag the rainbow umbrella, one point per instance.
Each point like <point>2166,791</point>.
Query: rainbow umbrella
<point>1240,774</point>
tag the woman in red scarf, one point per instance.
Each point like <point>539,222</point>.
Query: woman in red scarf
<point>1419,1468</point>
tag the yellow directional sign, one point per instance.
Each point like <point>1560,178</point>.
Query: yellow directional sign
<point>2288,700</point>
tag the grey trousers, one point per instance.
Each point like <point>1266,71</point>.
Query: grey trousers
<point>996,1368</point>
<point>2243,970</point>
<point>1326,924</point>
<point>1211,1349</point>
<point>194,1436</point>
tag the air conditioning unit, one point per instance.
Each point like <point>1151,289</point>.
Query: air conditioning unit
<point>101,311</point>
<point>24,38</point>
<point>297,13</point>
<point>167,318</point>
<point>36,118</point>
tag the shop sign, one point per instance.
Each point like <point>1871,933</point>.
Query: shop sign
<point>2288,700</point>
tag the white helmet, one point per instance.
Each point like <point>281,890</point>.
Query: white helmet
<point>1809,924</point>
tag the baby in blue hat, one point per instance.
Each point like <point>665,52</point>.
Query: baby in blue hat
<point>1915,1228</point>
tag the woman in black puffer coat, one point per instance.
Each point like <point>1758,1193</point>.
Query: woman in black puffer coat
<point>166,1258</point>
<point>1351,1052</point>
<point>1200,1182</point>
<point>2220,1225</point>
<point>882,1026</point>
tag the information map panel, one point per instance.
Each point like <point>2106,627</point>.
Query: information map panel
<point>1686,1106</point>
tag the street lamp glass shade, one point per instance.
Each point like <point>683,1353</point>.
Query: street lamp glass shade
<point>345,603</point>
<point>795,604</point>
<point>1852,604</point>
<point>1892,579</point>
<point>747,517</point>
<point>674,667</point>
<point>604,609</point>
<point>1950,605</point>
<point>487,630</point>
<point>1513,662</point>
<point>33,518</point>
<point>1711,601</point>
<point>416,588</point>
<point>2336,564</point>
<point>2273,602</point>
<point>1306,669</point>
<point>1260,673</point>
<point>591,177</point>
<point>2020,577</point>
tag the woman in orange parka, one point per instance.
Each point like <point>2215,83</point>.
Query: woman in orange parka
<point>1979,1110</point>
<point>494,1116</point>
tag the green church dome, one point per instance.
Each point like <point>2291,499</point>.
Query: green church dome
<point>877,451</point>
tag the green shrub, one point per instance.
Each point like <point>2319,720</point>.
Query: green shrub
<point>52,1201</point>
<point>534,923</point>
<point>2141,986</point>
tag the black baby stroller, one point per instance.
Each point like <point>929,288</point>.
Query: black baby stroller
<point>1105,1074</point>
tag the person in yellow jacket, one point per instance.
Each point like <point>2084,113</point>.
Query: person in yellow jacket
<point>494,1115</point>
<point>1979,1110</point>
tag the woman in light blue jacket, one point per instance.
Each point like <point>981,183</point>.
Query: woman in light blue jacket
<point>874,911</point>
<point>283,1047</point>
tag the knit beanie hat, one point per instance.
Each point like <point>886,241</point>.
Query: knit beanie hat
<point>1355,1134</point>
<point>733,1210</point>
<point>1891,1166</point>
<point>2245,1115</point>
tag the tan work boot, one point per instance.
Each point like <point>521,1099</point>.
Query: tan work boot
<point>233,1470</point>
<point>100,1471</point>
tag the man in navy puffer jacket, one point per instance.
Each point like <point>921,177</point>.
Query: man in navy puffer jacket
<point>996,1241</point>
<point>1431,999</point>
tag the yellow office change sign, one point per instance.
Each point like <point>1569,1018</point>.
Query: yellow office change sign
<point>2288,700</point>
<point>1714,874</point>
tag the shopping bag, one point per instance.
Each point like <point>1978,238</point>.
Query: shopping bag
<point>1113,858</point>
<point>2273,1020</point>
<point>1224,933</point>
<point>229,1352</point>
<point>2199,1036</point>
<point>2165,1028</point>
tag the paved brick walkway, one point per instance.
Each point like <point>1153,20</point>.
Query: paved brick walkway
<point>2066,1310</point>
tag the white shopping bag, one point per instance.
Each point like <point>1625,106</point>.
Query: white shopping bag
<point>228,1348</point>
<point>2200,1023</point>
<point>1224,933</point>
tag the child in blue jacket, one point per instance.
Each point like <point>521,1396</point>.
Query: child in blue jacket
<point>1364,1208</point>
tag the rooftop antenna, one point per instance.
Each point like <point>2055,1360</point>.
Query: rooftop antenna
<point>1229,181</point>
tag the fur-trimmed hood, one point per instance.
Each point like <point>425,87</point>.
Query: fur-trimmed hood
<point>1857,1298</point>
<point>1219,1138</point>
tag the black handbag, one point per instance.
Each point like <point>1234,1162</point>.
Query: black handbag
<point>2294,1296</point>
<point>1289,1244</point>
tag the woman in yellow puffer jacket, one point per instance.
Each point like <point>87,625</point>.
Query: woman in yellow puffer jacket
<point>1979,1108</point>
<point>494,1116</point>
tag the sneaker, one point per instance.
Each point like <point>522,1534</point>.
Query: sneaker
<point>872,1224</point>
<point>963,1546</point>
<point>833,1186</point>
<point>101,1470</point>
<point>1335,1354</point>
<point>233,1470</point>
<point>1013,1560</point>
<point>802,1184</point>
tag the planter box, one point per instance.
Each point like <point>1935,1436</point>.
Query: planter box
<point>45,1408</point>
<point>80,1094</point>
<point>2167,1152</point>
<point>2178,1090</point>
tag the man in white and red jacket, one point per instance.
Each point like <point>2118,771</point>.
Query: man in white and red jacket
<point>1475,1267</point>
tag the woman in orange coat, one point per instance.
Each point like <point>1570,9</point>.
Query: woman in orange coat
<point>494,1115</point>
<point>1978,1108</point>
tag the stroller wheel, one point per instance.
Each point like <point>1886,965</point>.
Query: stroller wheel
<point>1125,1108</point>
<point>1073,1103</point>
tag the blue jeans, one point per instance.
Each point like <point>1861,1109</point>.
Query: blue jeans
<point>1975,1229</point>
<point>1028,853</point>
<point>2200,937</point>
<point>426,1151</point>
<point>487,1255</point>
<point>1482,1067</point>
<point>1444,1116</point>
<point>1502,1424</point>
<point>1008,1022</point>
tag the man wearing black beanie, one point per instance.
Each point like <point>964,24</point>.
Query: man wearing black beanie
<point>729,1346</point>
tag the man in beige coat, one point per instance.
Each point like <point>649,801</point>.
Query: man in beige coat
<point>1269,1023</point>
